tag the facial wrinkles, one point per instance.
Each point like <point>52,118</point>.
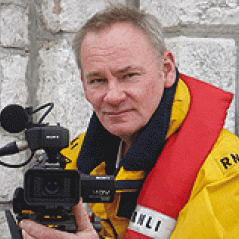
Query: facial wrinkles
<point>108,53</point>
<point>112,58</point>
<point>112,55</point>
<point>109,49</point>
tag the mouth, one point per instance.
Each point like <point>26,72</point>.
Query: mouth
<point>115,113</point>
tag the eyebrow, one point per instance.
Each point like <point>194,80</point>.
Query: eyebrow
<point>121,71</point>
<point>92,74</point>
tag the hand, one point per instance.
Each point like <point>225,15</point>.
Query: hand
<point>33,230</point>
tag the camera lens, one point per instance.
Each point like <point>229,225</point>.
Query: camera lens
<point>52,187</point>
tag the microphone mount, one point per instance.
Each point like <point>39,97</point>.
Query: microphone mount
<point>38,135</point>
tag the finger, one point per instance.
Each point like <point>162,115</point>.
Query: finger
<point>25,235</point>
<point>38,231</point>
<point>92,234</point>
<point>81,217</point>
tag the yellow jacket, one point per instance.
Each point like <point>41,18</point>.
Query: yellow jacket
<point>214,194</point>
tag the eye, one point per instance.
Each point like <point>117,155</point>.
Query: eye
<point>96,81</point>
<point>130,75</point>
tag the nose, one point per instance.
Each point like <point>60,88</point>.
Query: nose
<point>115,94</point>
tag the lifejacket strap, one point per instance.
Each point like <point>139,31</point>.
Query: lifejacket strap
<point>151,223</point>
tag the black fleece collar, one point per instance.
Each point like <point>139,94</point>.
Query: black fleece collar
<point>101,146</point>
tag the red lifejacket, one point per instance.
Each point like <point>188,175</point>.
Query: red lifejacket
<point>167,188</point>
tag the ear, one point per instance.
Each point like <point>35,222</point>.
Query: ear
<point>169,71</point>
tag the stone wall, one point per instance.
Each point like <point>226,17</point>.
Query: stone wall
<point>37,65</point>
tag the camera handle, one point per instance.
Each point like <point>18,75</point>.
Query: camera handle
<point>14,229</point>
<point>60,218</point>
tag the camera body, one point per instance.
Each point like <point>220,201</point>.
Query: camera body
<point>58,187</point>
<point>50,191</point>
<point>49,184</point>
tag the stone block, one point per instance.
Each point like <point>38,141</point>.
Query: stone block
<point>166,11</point>
<point>178,12</point>
<point>13,82</point>
<point>13,26</point>
<point>11,178</point>
<point>210,60</point>
<point>13,90</point>
<point>4,229</point>
<point>60,83</point>
<point>69,15</point>
<point>16,2</point>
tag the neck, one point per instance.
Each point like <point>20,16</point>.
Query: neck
<point>127,142</point>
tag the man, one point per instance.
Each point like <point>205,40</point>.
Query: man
<point>151,125</point>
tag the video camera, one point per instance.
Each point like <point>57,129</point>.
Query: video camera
<point>50,191</point>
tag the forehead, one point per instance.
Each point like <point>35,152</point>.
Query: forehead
<point>119,41</point>
<point>115,33</point>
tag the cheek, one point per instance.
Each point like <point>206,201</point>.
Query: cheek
<point>94,98</point>
<point>152,98</point>
<point>153,91</point>
<point>89,97</point>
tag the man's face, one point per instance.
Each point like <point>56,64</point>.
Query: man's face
<point>122,77</point>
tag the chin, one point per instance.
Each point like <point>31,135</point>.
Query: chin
<point>122,132</point>
<point>119,133</point>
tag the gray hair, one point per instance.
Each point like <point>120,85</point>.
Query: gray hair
<point>143,21</point>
